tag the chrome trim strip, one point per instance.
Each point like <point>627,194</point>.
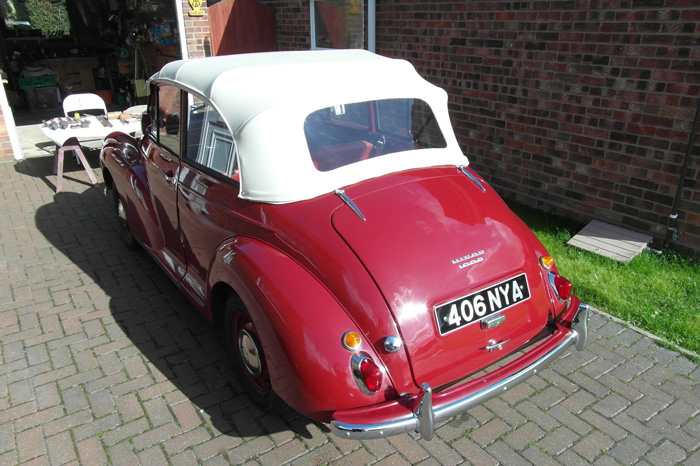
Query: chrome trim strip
<point>473,178</point>
<point>550,278</point>
<point>341,194</point>
<point>416,421</point>
<point>355,364</point>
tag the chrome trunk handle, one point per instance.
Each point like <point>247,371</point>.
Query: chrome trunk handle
<point>495,345</point>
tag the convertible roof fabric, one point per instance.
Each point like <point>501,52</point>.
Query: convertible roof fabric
<point>265,98</point>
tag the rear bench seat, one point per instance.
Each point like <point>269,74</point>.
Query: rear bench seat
<point>331,157</point>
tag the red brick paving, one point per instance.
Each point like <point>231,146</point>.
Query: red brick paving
<point>102,360</point>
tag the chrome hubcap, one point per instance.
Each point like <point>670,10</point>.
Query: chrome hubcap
<point>121,211</point>
<point>250,353</point>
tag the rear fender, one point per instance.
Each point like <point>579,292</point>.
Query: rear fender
<point>539,252</point>
<point>121,158</point>
<point>301,325</point>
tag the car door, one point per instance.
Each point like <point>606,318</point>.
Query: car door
<point>162,149</point>
<point>209,206</point>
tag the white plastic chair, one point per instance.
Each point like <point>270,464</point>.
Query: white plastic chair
<point>87,103</point>
<point>82,103</point>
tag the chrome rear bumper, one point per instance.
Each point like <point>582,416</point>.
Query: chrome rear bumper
<point>423,419</point>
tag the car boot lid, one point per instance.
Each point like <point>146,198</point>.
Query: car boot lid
<point>452,264</point>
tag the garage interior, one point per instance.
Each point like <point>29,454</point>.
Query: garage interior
<point>53,48</point>
<point>50,49</point>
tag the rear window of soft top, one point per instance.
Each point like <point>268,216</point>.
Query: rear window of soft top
<point>350,133</point>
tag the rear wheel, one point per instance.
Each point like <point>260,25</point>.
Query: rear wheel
<point>120,208</point>
<point>245,344</point>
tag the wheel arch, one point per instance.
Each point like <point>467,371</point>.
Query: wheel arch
<point>107,177</point>
<point>217,299</point>
<point>301,324</point>
<point>124,172</point>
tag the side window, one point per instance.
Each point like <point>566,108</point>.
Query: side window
<point>209,141</point>
<point>425,129</point>
<point>196,111</point>
<point>168,118</point>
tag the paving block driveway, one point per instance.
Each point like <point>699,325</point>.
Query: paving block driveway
<point>103,361</point>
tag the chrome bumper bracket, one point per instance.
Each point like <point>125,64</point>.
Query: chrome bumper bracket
<point>425,414</point>
<point>580,325</point>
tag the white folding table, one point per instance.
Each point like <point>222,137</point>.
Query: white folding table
<point>66,139</point>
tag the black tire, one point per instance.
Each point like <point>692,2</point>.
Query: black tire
<point>120,209</point>
<point>244,343</point>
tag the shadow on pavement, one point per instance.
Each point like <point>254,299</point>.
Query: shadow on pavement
<point>42,167</point>
<point>183,351</point>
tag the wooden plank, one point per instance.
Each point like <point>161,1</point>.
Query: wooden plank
<point>610,241</point>
<point>594,243</point>
<point>585,238</point>
<point>604,250</point>
<point>615,232</point>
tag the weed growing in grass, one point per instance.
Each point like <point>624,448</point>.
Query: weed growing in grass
<point>659,293</point>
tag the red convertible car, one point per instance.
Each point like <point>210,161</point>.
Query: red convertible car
<point>318,207</point>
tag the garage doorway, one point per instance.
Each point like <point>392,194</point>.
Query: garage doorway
<point>106,47</point>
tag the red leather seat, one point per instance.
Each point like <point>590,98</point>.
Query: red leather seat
<point>331,157</point>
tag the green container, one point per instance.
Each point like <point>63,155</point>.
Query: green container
<point>37,81</point>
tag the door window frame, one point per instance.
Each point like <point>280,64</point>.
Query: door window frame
<point>158,125</point>
<point>211,134</point>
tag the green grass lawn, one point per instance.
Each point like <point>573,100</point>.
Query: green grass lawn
<point>659,293</point>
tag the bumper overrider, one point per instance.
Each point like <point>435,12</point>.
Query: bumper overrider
<point>419,413</point>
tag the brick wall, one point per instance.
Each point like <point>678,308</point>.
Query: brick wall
<point>293,24</point>
<point>6,154</point>
<point>196,32</point>
<point>582,108</point>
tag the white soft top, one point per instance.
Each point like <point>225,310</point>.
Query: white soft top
<point>265,98</point>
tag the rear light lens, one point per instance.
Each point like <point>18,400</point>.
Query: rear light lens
<point>352,341</point>
<point>547,262</point>
<point>564,287</point>
<point>371,374</point>
<point>561,286</point>
<point>367,373</point>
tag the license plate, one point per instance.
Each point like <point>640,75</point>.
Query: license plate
<point>474,307</point>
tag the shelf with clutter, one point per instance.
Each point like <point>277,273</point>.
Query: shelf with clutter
<point>106,47</point>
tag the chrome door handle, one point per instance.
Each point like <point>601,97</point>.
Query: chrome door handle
<point>167,159</point>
